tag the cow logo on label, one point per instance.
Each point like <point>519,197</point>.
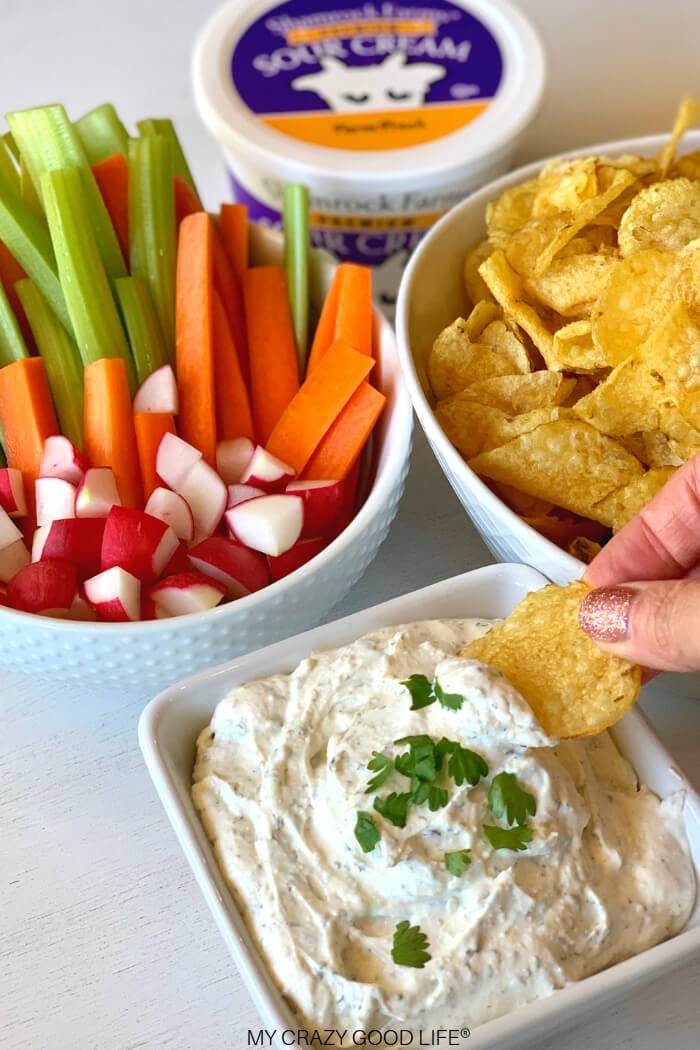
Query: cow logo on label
<point>391,84</point>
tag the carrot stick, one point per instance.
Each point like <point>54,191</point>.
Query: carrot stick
<point>325,328</point>
<point>233,227</point>
<point>186,200</point>
<point>231,294</point>
<point>194,351</point>
<point>233,416</point>
<point>10,273</point>
<point>150,428</point>
<point>317,403</point>
<point>342,444</point>
<point>110,438</point>
<point>353,321</point>
<point>274,374</point>
<point>112,177</point>
<point>27,418</point>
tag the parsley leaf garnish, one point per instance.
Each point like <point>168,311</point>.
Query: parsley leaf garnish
<point>421,691</point>
<point>437,798</point>
<point>410,944</point>
<point>463,764</point>
<point>419,760</point>
<point>458,861</point>
<point>366,831</point>
<point>382,767</point>
<point>508,838</point>
<point>394,808</point>
<point>424,693</point>
<point>507,800</point>
<point>451,700</point>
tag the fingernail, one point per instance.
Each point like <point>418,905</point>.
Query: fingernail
<point>605,613</point>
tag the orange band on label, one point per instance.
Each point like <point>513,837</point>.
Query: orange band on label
<point>369,27</point>
<point>419,221</point>
<point>390,129</point>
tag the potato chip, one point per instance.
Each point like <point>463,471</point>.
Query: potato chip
<point>685,118</point>
<point>622,504</point>
<point>506,288</point>
<point>520,502</point>
<point>585,214</point>
<point>473,428</point>
<point>475,286</point>
<point>482,314</point>
<point>515,394</point>
<point>572,284</point>
<point>637,295</point>
<point>573,686</point>
<point>664,451</point>
<point>573,349</point>
<point>564,185</point>
<point>665,215</point>
<point>455,362</point>
<point>512,210</point>
<point>567,462</point>
<point>687,166</point>
<point>584,549</point>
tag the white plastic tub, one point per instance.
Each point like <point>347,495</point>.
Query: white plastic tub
<point>389,112</point>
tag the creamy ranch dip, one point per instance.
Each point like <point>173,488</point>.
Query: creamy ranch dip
<point>281,774</point>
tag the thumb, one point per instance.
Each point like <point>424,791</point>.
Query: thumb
<point>653,623</point>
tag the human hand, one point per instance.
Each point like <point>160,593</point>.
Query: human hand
<point>646,602</point>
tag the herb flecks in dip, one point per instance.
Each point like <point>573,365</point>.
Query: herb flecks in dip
<point>282,773</point>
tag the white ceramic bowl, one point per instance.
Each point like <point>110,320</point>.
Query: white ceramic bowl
<point>155,653</point>
<point>431,296</point>
<point>170,724</point>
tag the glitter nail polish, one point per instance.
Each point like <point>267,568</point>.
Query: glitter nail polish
<point>605,612</point>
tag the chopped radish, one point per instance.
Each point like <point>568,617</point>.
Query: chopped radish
<point>61,459</point>
<point>80,609</point>
<point>9,532</point>
<point>174,459</point>
<point>158,392</point>
<point>271,524</point>
<point>323,502</point>
<point>115,595</point>
<point>240,493</point>
<point>295,557</point>
<point>206,495</point>
<point>187,592</point>
<point>232,457</point>
<point>174,510</point>
<point>137,542</point>
<point>77,540</point>
<point>13,557</point>
<point>97,493</point>
<point>180,561</point>
<point>55,500</point>
<point>43,585</point>
<point>238,568</point>
<point>266,471</point>
<point>12,498</point>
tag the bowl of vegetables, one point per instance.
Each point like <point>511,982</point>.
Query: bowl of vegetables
<point>205,434</point>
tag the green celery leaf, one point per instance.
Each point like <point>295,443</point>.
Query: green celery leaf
<point>410,944</point>
<point>382,767</point>
<point>458,861</point>
<point>508,801</point>
<point>508,838</point>
<point>366,831</point>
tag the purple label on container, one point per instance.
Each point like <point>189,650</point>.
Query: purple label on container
<point>375,76</point>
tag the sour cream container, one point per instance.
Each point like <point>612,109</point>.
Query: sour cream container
<point>390,112</point>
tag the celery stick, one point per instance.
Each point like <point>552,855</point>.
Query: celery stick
<point>29,241</point>
<point>28,192</point>
<point>11,145</point>
<point>64,369</point>
<point>48,141</point>
<point>152,235</point>
<point>165,126</point>
<point>9,173</point>
<point>102,133</point>
<point>93,312</point>
<point>295,218</point>
<point>142,326</point>
<point>12,345</point>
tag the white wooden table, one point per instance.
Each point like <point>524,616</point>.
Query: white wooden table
<point>105,943</point>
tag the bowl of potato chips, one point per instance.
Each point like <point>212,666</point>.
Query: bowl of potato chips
<point>549,333</point>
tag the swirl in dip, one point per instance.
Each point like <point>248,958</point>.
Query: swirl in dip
<point>281,774</point>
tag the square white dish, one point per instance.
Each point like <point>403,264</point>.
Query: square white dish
<point>171,722</point>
